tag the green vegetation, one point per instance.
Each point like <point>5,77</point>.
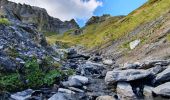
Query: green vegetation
<point>4,21</point>
<point>34,75</point>
<point>10,82</point>
<point>49,33</point>
<point>115,28</point>
<point>168,37</point>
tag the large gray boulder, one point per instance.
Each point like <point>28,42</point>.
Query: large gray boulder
<point>118,75</point>
<point>125,75</point>
<point>163,90</point>
<point>162,77</point>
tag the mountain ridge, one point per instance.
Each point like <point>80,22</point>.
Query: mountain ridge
<point>35,15</point>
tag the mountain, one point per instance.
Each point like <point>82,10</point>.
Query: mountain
<point>35,15</point>
<point>112,37</point>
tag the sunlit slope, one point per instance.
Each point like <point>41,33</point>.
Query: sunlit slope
<point>115,28</point>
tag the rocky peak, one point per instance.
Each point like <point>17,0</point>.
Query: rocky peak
<point>97,19</point>
<point>35,15</point>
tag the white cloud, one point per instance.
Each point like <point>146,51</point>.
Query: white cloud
<point>66,9</point>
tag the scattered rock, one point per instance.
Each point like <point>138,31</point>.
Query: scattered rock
<point>82,79</point>
<point>163,90</point>
<point>62,90</point>
<point>61,96</point>
<point>108,62</point>
<point>131,65</point>
<point>76,89</point>
<point>134,43</point>
<point>105,98</point>
<point>22,95</point>
<point>125,92</point>
<point>73,83</point>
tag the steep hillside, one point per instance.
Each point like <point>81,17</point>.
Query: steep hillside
<point>35,15</point>
<point>114,30</point>
<point>148,23</point>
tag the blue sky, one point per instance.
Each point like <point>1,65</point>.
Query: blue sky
<point>115,7</point>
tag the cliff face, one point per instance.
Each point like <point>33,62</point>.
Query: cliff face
<point>34,15</point>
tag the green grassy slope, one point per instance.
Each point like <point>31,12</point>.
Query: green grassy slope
<point>113,29</point>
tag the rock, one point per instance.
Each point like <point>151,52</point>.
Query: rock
<point>163,76</point>
<point>148,92</point>
<point>125,75</point>
<point>153,63</point>
<point>134,43</point>
<point>82,79</point>
<point>108,62</point>
<point>62,90</point>
<point>61,96</point>
<point>1,47</point>
<point>163,89</point>
<point>90,68</point>
<point>131,65</point>
<point>76,89</point>
<point>89,63</point>
<point>73,83</point>
<point>22,95</point>
<point>125,92</point>
<point>105,98</point>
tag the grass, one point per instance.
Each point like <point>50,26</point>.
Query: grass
<point>4,21</point>
<point>168,37</point>
<point>113,29</point>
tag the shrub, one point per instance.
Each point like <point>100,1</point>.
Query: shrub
<point>10,82</point>
<point>4,21</point>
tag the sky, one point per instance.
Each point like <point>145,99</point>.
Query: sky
<point>82,10</point>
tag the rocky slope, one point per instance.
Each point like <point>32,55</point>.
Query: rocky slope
<point>35,15</point>
<point>129,59</point>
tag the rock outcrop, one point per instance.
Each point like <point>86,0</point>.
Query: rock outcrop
<point>34,15</point>
<point>99,19</point>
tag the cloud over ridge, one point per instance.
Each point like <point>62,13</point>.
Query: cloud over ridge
<point>66,9</point>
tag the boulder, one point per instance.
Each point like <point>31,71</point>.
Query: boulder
<point>82,79</point>
<point>61,96</point>
<point>22,95</point>
<point>118,75</point>
<point>125,92</point>
<point>134,43</point>
<point>108,62</point>
<point>73,83</point>
<point>150,64</point>
<point>125,75</point>
<point>131,65</point>
<point>163,89</point>
<point>163,77</point>
<point>105,98</point>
